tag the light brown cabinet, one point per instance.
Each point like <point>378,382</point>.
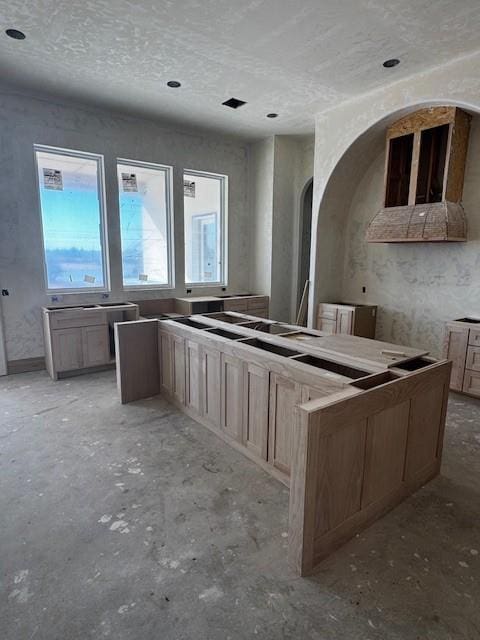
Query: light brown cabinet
<point>78,338</point>
<point>178,368</point>
<point>462,347</point>
<point>352,319</point>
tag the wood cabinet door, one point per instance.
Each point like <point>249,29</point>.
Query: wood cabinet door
<point>345,321</point>
<point>471,384</point>
<point>178,368</point>
<point>455,349</point>
<point>284,396</point>
<point>211,386</point>
<point>67,349</point>
<point>232,396</point>
<point>95,344</point>
<point>193,374</point>
<point>165,359</point>
<point>256,393</point>
<point>326,325</point>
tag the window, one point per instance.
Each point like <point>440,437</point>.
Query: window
<point>72,208</point>
<point>205,197</point>
<point>145,223</point>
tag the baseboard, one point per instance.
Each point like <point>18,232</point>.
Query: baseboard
<point>25,365</point>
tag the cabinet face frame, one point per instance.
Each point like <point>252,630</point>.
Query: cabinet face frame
<point>166,364</point>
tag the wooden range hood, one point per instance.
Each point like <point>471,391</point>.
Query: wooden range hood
<point>424,175</point>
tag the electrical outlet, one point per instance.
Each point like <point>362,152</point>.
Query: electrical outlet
<point>5,292</point>
<point>189,291</point>
<point>364,289</point>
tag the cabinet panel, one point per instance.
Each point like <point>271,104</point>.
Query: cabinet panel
<point>473,358</point>
<point>328,311</point>
<point>471,383</point>
<point>232,396</point>
<point>284,396</point>
<point>423,430</point>
<point>67,349</point>
<point>256,391</point>
<point>259,313</point>
<point>345,321</point>
<point>96,347</point>
<point>455,349</point>
<point>211,385</point>
<point>165,358</point>
<point>385,452</point>
<point>178,368</point>
<point>193,375</point>
<point>326,325</point>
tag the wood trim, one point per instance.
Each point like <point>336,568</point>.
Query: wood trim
<point>25,365</point>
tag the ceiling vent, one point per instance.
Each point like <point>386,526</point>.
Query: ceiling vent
<point>234,103</point>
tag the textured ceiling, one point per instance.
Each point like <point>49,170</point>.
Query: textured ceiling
<point>288,56</point>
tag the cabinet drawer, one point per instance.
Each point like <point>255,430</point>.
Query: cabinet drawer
<point>328,311</point>
<point>474,337</point>
<point>473,358</point>
<point>235,305</point>
<point>67,319</point>
<point>471,383</point>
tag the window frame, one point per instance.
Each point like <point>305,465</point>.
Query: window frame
<point>99,159</point>
<point>169,224</point>
<point>223,223</point>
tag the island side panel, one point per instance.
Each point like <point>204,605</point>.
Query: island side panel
<point>346,473</point>
<point>137,362</point>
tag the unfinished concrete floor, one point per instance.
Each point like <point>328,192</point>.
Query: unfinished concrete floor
<point>134,522</point>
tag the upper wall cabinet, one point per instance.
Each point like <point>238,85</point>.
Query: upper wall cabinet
<point>424,174</point>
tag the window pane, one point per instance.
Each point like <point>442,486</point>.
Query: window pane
<point>144,224</point>
<point>204,224</point>
<point>72,220</point>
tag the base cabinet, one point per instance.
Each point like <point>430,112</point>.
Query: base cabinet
<point>80,347</point>
<point>462,347</point>
<point>351,319</point>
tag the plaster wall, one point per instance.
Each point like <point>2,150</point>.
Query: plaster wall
<point>25,120</point>
<point>344,139</point>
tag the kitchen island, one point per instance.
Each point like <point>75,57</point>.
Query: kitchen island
<point>351,425</point>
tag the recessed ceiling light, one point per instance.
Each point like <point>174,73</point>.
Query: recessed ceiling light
<point>234,103</point>
<point>272,115</point>
<point>174,84</point>
<point>391,63</point>
<point>15,34</point>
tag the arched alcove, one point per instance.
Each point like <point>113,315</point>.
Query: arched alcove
<point>417,287</point>
<point>304,238</point>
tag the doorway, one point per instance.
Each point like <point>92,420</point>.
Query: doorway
<point>305,237</point>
